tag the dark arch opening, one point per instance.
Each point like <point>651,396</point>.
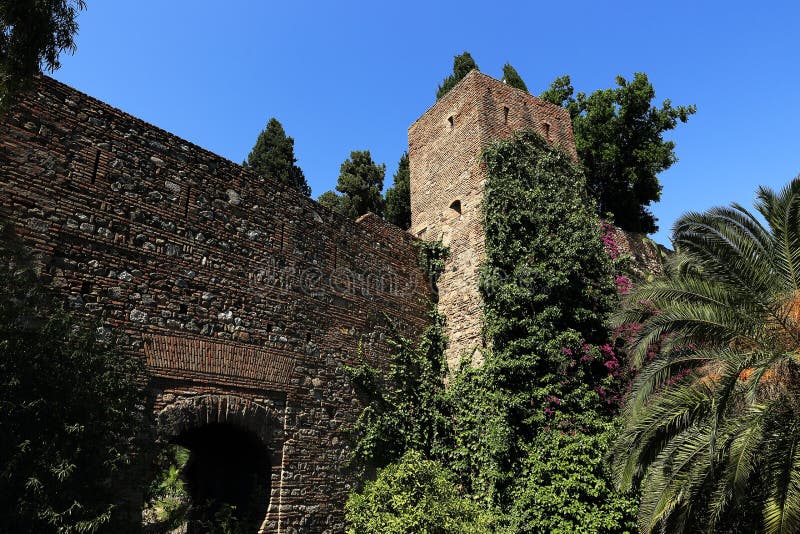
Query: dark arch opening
<point>228,473</point>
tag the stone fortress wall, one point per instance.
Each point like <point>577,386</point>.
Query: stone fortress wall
<point>244,297</point>
<point>447,180</point>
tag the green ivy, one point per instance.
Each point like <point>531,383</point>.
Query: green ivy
<point>405,407</point>
<point>547,288</point>
<point>526,433</point>
<point>432,258</point>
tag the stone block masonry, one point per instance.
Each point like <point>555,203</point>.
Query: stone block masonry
<point>447,179</point>
<point>244,297</point>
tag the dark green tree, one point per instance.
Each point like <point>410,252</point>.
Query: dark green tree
<point>331,200</point>
<point>360,184</point>
<point>619,137</point>
<point>462,64</point>
<point>398,197</point>
<point>273,156</point>
<point>512,77</point>
<point>71,409</point>
<point>33,33</point>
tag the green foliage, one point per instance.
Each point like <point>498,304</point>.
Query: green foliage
<point>71,409</point>
<point>564,486</point>
<point>166,497</point>
<point>330,200</point>
<point>711,427</point>
<point>225,520</point>
<point>512,78</point>
<point>547,290</point>
<point>405,409</point>
<point>462,65</point>
<point>398,197</point>
<point>360,182</point>
<point>432,257</point>
<point>619,137</point>
<point>414,495</point>
<point>273,156</point>
<point>526,433</point>
<point>33,33</point>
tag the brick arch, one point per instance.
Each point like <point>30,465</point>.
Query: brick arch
<point>193,412</point>
<point>190,413</point>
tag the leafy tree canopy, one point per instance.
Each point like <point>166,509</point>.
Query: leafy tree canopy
<point>360,184</point>
<point>512,77</point>
<point>462,64</point>
<point>398,197</point>
<point>273,156</point>
<point>33,33</point>
<point>71,409</point>
<point>619,137</point>
<point>414,495</point>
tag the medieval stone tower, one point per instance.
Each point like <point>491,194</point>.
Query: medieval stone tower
<point>447,180</point>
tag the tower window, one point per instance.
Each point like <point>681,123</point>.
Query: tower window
<point>456,206</point>
<point>450,121</point>
<point>547,131</point>
<point>505,115</point>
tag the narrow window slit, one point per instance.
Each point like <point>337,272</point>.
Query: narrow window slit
<point>505,115</point>
<point>450,120</point>
<point>96,164</point>
<point>186,207</point>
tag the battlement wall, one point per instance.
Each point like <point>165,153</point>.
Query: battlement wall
<point>225,282</point>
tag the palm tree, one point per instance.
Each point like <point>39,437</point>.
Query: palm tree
<point>712,426</point>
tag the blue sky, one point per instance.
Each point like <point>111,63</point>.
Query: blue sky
<point>345,76</point>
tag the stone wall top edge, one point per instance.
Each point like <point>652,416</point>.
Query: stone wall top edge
<point>475,75</point>
<point>447,99</point>
<point>49,86</point>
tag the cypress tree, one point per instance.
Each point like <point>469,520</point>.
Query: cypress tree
<point>462,65</point>
<point>512,78</point>
<point>398,197</point>
<point>273,156</point>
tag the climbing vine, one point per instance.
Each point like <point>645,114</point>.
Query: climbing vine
<point>526,433</point>
<point>405,407</point>
<point>432,258</point>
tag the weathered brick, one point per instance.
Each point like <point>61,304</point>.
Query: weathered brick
<point>244,297</point>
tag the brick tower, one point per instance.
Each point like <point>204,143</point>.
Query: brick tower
<point>447,180</point>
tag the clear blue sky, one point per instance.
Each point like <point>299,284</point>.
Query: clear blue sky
<point>345,76</point>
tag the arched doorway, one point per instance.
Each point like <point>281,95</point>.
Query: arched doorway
<point>231,460</point>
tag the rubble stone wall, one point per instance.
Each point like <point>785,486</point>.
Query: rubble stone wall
<point>238,291</point>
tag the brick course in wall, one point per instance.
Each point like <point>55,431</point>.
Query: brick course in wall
<point>445,147</point>
<point>244,297</point>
